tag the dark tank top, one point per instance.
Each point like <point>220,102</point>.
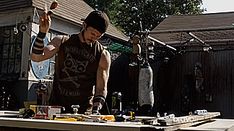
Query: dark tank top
<point>75,74</point>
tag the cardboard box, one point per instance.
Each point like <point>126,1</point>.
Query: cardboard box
<point>45,112</point>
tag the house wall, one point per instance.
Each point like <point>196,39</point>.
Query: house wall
<point>15,18</point>
<point>14,4</point>
<point>176,82</point>
<point>64,26</point>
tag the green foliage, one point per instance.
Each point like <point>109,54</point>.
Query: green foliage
<point>130,16</point>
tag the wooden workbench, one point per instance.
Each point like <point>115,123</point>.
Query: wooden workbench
<point>214,125</point>
<point>19,124</point>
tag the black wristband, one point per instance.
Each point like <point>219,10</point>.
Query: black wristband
<point>100,99</point>
<point>95,109</point>
<point>38,52</point>
<point>38,46</point>
<point>41,35</point>
<point>98,102</point>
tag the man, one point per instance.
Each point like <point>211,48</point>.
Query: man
<point>82,64</point>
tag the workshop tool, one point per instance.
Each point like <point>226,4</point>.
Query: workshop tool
<point>86,118</point>
<point>75,116</point>
<point>53,6</point>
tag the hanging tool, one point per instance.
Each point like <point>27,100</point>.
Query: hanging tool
<point>53,6</point>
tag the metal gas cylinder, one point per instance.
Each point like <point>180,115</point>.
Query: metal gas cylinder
<point>116,106</point>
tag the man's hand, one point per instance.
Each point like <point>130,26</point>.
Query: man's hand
<point>97,106</point>
<point>98,102</point>
<point>45,22</point>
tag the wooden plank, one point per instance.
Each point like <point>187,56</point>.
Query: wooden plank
<point>216,124</point>
<point>187,119</point>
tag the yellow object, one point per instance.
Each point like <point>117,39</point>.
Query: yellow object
<point>28,103</point>
<point>65,119</point>
<point>108,117</point>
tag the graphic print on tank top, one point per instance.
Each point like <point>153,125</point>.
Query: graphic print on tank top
<point>76,61</point>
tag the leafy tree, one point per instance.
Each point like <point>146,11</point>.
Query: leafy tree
<point>131,16</point>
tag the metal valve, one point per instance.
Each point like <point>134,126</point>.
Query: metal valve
<point>75,108</point>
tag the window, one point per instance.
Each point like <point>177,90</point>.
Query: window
<point>10,53</point>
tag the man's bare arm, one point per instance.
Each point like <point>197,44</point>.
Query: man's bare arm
<point>103,74</point>
<point>48,51</point>
<point>101,84</point>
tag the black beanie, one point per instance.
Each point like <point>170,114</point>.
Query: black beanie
<point>98,20</point>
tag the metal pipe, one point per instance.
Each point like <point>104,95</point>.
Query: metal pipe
<point>201,41</point>
<point>162,43</point>
<point>195,37</point>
